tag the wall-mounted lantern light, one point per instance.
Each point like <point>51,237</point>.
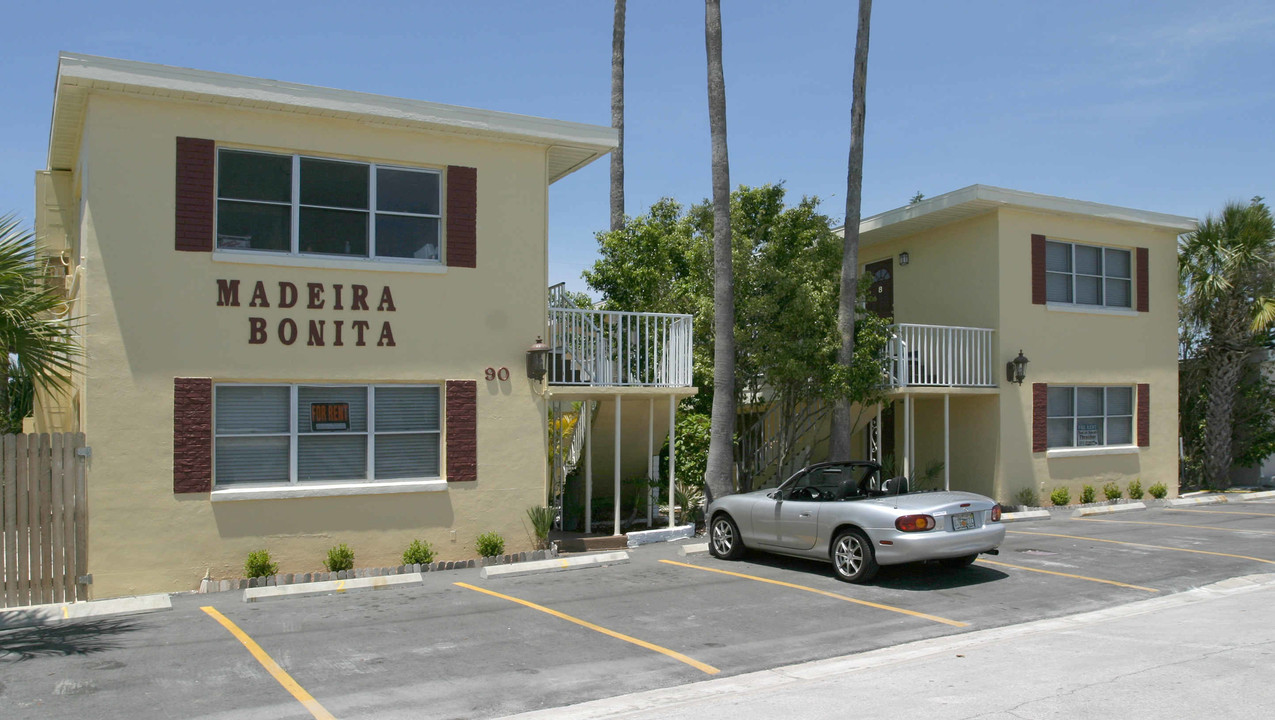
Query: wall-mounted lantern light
<point>1016,369</point>
<point>536,356</point>
<point>904,258</point>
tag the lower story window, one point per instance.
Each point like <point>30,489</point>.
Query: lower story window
<point>272,434</point>
<point>1090,416</point>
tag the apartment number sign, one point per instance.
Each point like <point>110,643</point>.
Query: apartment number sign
<point>501,374</point>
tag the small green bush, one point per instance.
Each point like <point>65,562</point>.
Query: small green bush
<point>1135,490</point>
<point>1112,491</point>
<point>1086,494</point>
<point>1158,491</point>
<point>1025,497</point>
<point>418,553</point>
<point>340,558</point>
<point>1060,496</point>
<point>541,521</point>
<point>259,565</point>
<point>490,544</point>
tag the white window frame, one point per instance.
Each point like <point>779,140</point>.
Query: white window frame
<point>295,205</point>
<point>294,434</point>
<point>1102,276</point>
<point>1106,418</point>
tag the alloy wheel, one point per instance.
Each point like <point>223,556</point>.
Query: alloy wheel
<point>723,537</point>
<point>849,555</point>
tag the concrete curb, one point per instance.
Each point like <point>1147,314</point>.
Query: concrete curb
<point>1108,509</point>
<point>1026,516</point>
<point>692,549</point>
<point>258,594</point>
<point>574,562</point>
<point>1261,495</point>
<point>36,615</point>
<point>643,537</point>
<point>650,703</point>
<point>1198,500</point>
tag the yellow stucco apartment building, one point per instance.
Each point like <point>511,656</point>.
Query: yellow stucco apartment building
<point>307,316</point>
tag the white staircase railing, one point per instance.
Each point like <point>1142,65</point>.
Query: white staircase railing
<point>604,347</point>
<point>941,356</point>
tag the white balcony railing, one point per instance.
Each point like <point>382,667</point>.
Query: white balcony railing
<point>941,356</point>
<point>602,347</point>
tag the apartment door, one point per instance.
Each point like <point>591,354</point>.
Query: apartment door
<point>881,292</point>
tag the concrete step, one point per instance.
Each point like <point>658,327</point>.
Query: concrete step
<point>589,544</point>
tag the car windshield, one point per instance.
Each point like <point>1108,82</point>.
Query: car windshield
<point>832,482</point>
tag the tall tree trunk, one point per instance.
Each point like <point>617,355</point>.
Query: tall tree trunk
<point>1223,379</point>
<point>721,455</point>
<point>839,442</point>
<point>6,394</point>
<point>617,117</point>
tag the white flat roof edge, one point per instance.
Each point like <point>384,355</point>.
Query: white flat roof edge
<point>129,73</point>
<point>1023,199</point>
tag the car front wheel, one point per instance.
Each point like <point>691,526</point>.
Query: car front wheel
<point>853,558</point>
<point>724,541</point>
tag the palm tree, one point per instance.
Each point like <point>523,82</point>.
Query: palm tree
<point>36,342</point>
<point>842,422</point>
<point>721,444</point>
<point>1227,285</point>
<point>617,117</point>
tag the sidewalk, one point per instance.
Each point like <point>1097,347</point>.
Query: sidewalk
<point>1193,654</point>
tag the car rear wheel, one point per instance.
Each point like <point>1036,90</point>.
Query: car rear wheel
<point>853,559</point>
<point>723,540</point>
<point>958,562</point>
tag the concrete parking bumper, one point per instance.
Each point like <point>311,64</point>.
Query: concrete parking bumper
<point>328,587</point>
<point>571,562</point>
<point>1108,509</point>
<point>35,615</point>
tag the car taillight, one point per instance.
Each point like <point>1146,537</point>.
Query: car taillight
<point>914,523</point>
<point>996,513</point>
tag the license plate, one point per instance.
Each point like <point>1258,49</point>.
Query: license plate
<point>963,521</point>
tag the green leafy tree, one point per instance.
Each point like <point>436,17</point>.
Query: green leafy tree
<point>1226,304</point>
<point>37,345</point>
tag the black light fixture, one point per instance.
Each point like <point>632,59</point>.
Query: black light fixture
<point>1016,369</point>
<point>536,355</point>
<point>904,258</point>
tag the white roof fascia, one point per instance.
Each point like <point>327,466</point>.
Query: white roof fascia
<point>92,72</point>
<point>977,199</point>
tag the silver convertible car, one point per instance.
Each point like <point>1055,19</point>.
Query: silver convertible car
<point>845,514</point>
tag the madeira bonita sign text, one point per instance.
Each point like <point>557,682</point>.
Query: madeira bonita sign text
<point>317,296</point>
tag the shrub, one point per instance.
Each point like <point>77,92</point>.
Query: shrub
<point>1025,497</point>
<point>259,565</point>
<point>1158,491</point>
<point>1086,494</point>
<point>541,521</point>
<point>418,553</point>
<point>1112,491</point>
<point>490,544</point>
<point>1135,490</point>
<point>340,558</point>
<point>1060,496</point>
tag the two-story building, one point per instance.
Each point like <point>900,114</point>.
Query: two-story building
<point>306,315</point>
<point>1085,292</point>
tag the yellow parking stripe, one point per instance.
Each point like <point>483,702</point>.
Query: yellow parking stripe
<point>1218,512</point>
<point>1198,527</point>
<point>1067,575</point>
<point>891,608</point>
<point>584,623</point>
<point>1156,547</point>
<point>272,667</point>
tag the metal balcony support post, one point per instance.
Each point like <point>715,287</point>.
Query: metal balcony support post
<point>672,452</point>
<point>880,456</point>
<point>617,464</point>
<point>907,436</point>
<point>947,441</point>
<point>650,459</point>
<point>588,466</point>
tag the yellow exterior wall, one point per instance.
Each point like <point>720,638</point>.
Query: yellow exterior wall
<point>153,316</point>
<point>1086,348</point>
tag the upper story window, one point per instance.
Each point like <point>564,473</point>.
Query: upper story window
<point>298,205</point>
<point>1090,416</point>
<point>1088,275</point>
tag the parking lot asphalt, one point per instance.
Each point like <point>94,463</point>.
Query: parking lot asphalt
<point>460,647</point>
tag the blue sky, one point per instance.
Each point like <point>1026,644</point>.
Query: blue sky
<point>1162,106</point>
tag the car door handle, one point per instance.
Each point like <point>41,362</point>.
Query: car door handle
<point>804,515</point>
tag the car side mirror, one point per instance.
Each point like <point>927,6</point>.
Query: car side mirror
<point>773,494</point>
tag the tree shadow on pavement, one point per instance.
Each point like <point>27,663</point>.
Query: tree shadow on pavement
<point>79,637</point>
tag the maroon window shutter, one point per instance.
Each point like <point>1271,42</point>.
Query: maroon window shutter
<point>1038,269</point>
<point>1144,415</point>
<point>196,160</point>
<point>462,216</point>
<point>1040,417</point>
<point>192,435</point>
<point>462,430</point>
<point>1144,292</point>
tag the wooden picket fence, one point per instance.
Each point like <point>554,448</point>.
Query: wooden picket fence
<point>44,518</point>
